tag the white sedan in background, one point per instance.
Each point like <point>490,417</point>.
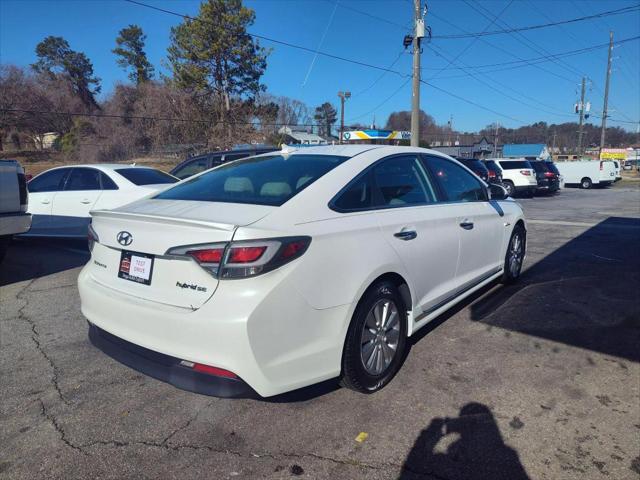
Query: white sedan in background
<point>60,199</point>
<point>278,271</point>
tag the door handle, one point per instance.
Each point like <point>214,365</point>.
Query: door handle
<point>406,234</point>
<point>85,201</point>
<point>467,225</point>
<point>45,202</point>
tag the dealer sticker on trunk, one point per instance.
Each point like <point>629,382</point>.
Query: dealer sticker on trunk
<point>137,267</point>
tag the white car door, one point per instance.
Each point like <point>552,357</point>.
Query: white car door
<point>420,230</point>
<point>70,211</point>
<point>480,222</point>
<point>43,188</point>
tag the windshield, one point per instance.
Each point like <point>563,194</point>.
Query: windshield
<point>146,176</point>
<point>257,180</point>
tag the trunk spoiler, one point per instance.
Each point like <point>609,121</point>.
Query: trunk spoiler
<point>145,217</point>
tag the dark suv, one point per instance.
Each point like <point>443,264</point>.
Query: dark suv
<point>548,179</point>
<point>476,166</point>
<point>203,162</point>
<point>495,172</point>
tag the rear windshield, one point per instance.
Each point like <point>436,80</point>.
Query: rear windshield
<point>257,180</point>
<point>514,164</point>
<point>146,176</point>
<point>492,165</point>
<point>553,168</point>
<point>540,167</point>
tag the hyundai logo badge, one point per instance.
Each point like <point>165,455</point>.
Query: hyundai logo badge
<point>124,238</point>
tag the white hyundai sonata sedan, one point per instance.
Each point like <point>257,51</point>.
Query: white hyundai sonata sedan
<point>282,270</point>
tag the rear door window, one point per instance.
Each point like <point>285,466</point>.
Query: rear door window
<point>83,179</point>
<point>107,183</point>
<point>268,180</point>
<point>539,167</point>
<point>146,176</point>
<point>357,196</point>
<point>402,181</point>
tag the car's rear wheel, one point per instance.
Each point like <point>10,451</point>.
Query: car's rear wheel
<point>586,183</point>
<point>515,255</point>
<point>376,340</point>
<point>509,187</point>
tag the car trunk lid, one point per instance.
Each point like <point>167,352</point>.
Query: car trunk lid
<point>130,255</point>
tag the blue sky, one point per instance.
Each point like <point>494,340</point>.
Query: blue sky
<point>544,92</point>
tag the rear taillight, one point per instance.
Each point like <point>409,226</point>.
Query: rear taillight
<point>92,237</point>
<point>207,255</point>
<point>492,174</point>
<point>549,174</point>
<point>245,258</point>
<point>525,172</point>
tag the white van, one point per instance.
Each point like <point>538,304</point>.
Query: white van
<point>588,173</point>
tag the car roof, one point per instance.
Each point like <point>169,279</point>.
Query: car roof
<point>104,166</point>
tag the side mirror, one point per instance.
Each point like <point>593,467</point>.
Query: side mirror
<point>498,192</point>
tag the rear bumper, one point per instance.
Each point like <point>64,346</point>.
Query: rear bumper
<point>14,223</point>
<point>260,329</point>
<point>167,368</point>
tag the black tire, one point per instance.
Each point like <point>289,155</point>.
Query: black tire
<point>4,246</point>
<point>354,372</point>
<point>511,275</point>
<point>586,183</point>
<point>510,187</point>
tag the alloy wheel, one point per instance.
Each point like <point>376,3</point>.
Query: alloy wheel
<point>380,335</point>
<point>516,254</point>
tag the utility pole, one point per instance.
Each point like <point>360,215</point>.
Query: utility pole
<point>553,148</point>
<point>415,95</point>
<point>495,142</point>
<point>606,94</point>
<point>343,96</point>
<point>581,111</point>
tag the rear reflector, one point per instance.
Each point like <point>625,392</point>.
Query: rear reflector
<point>218,372</point>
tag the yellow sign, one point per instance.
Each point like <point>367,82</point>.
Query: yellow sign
<point>613,154</point>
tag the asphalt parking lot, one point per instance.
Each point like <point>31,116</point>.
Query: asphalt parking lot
<point>539,380</point>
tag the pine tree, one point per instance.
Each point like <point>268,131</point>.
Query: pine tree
<point>130,50</point>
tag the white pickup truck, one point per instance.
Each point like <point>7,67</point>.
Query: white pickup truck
<point>588,173</point>
<point>14,200</point>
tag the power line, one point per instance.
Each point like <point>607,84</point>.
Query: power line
<point>269,39</point>
<point>514,64</point>
<point>380,77</point>
<point>404,84</point>
<point>473,42</point>
<point>618,11</point>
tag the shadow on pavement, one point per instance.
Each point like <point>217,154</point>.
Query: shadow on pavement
<point>468,447</point>
<point>28,259</point>
<point>584,294</point>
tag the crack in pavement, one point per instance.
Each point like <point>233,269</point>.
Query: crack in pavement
<point>54,422</point>
<point>35,337</point>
